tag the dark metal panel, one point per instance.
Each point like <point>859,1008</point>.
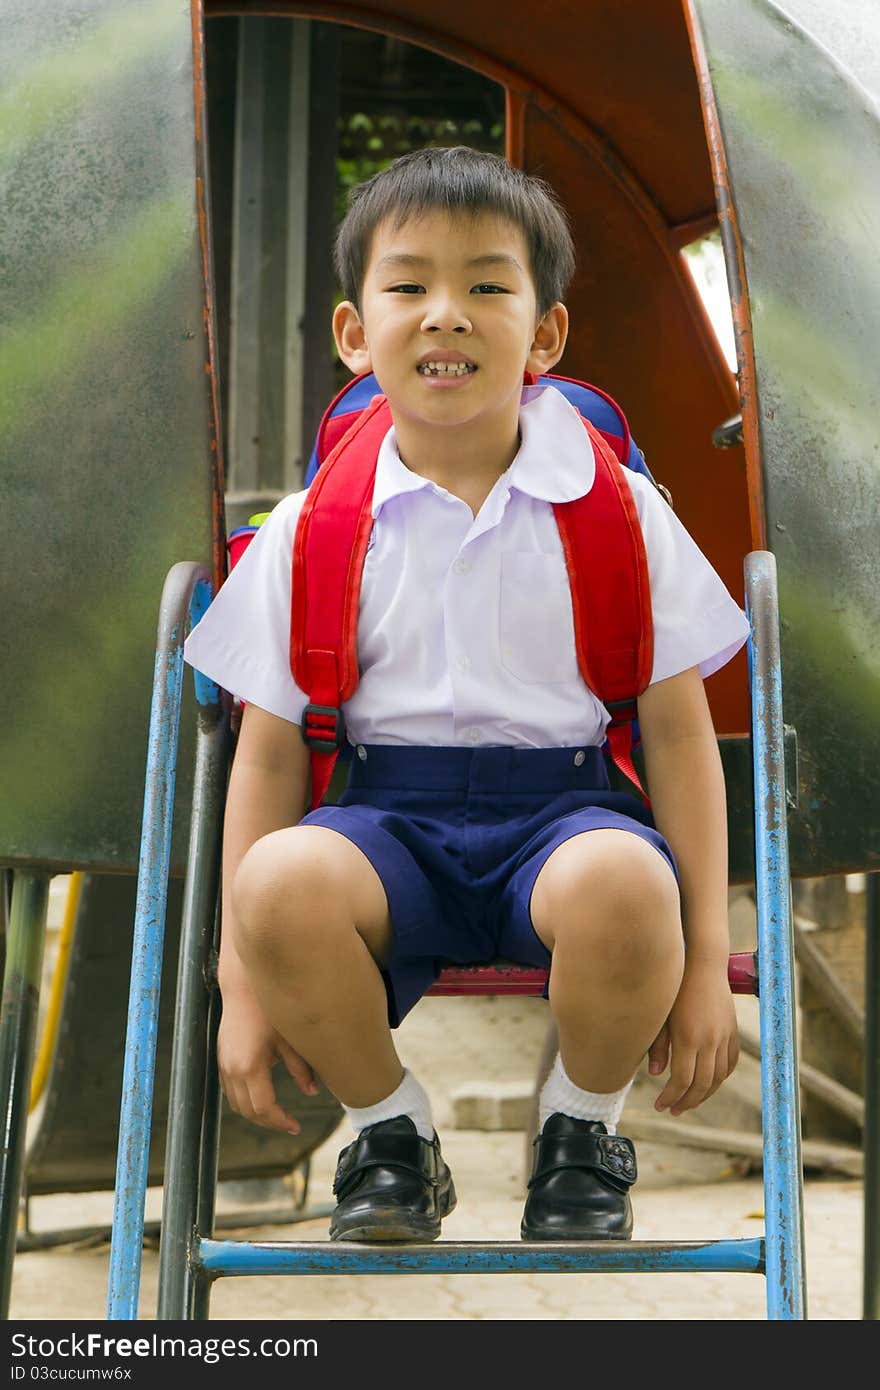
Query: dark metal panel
<point>106,414</point>
<point>799,122</point>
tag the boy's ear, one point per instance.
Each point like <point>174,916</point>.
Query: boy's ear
<point>549,341</point>
<point>348,333</point>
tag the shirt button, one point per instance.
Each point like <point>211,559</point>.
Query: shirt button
<point>462,567</point>
<point>464,663</point>
<point>474,736</point>
<point>580,758</point>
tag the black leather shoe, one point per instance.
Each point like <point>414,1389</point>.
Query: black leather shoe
<point>391,1184</point>
<point>579,1188</point>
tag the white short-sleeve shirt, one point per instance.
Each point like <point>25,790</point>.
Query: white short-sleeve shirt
<point>465,627</point>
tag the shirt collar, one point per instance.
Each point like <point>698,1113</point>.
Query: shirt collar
<point>555,462</point>
<point>557,471</point>
<point>393,478</point>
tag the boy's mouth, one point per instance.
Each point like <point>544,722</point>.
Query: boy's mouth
<point>436,367</point>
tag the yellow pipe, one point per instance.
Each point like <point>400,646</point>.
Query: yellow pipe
<point>56,993</point>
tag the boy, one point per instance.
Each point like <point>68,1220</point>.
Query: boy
<point>478,822</point>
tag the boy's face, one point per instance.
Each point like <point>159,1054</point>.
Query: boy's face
<point>448,322</point>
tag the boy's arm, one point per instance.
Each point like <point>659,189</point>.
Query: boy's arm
<point>688,799</point>
<point>267,791</point>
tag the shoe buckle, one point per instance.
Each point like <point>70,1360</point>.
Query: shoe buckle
<point>618,1156</point>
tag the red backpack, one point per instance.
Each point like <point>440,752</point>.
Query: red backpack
<point>610,595</point>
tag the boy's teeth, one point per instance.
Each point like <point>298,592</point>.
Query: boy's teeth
<point>447,368</point>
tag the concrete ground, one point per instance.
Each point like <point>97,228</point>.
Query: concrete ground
<point>455,1045</point>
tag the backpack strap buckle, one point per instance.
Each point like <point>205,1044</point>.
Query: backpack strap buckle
<point>622,711</point>
<point>323,728</point>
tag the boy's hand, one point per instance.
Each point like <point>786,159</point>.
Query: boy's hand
<point>247,1049</point>
<point>701,1032</point>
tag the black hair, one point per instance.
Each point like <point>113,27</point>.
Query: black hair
<point>458,179</point>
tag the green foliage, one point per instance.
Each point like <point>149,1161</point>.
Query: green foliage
<point>368,143</point>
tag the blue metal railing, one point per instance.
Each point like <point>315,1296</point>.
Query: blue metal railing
<point>186,593</point>
<point>781,1121</point>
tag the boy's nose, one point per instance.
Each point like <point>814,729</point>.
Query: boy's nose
<point>444,314</point>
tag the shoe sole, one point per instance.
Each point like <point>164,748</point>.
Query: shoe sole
<point>597,1235</point>
<point>391,1226</point>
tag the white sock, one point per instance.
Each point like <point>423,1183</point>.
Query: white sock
<point>409,1099</point>
<point>560,1094</point>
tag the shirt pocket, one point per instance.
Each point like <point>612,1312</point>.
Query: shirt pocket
<point>535,619</point>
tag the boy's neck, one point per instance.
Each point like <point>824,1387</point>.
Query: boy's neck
<point>461,461</point>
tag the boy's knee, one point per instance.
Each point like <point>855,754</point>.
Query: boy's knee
<point>283,890</point>
<point>613,894</point>
<point>301,892</point>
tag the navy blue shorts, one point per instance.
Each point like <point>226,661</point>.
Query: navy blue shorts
<point>458,837</point>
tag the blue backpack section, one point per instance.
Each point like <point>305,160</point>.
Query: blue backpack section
<point>597,408</point>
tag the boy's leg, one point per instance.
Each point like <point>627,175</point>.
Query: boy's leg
<point>606,905</point>
<point>312,929</point>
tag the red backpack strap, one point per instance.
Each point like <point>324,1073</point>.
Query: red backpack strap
<point>610,594</point>
<point>328,560</point>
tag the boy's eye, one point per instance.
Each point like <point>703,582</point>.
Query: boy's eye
<point>410,288</point>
